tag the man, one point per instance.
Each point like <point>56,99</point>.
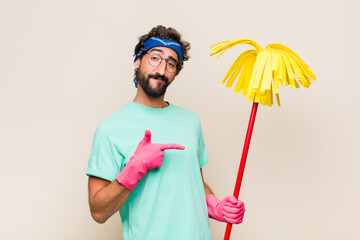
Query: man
<point>158,189</point>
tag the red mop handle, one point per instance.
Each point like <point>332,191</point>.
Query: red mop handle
<point>242,162</point>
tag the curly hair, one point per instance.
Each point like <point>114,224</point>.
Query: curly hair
<point>165,33</point>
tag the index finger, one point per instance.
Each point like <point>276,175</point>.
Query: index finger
<point>231,199</point>
<point>171,146</point>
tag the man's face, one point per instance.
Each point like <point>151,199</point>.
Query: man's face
<point>155,80</point>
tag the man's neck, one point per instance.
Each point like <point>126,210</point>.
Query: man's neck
<point>148,101</point>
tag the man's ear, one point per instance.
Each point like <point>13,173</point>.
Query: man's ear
<point>137,63</point>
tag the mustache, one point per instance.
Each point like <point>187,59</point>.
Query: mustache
<point>158,76</point>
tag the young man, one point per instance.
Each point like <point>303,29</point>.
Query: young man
<point>158,188</point>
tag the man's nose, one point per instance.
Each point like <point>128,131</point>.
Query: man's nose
<point>161,68</point>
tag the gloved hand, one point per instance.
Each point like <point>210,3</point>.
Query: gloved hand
<point>228,210</point>
<point>147,155</point>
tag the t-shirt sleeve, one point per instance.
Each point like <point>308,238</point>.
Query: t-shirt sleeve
<point>104,161</point>
<point>203,158</point>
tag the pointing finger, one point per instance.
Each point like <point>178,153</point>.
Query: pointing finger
<point>171,146</point>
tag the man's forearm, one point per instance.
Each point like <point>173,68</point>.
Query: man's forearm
<point>107,200</point>
<point>228,210</point>
<point>207,189</point>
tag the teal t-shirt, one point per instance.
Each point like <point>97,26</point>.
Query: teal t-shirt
<point>169,201</point>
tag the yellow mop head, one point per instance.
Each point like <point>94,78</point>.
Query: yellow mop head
<point>262,70</point>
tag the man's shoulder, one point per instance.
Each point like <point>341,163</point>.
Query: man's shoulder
<point>183,113</point>
<point>115,118</point>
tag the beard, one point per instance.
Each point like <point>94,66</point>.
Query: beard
<point>144,82</point>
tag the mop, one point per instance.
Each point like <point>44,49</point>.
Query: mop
<point>259,72</point>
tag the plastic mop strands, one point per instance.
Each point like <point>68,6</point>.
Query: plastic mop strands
<point>262,70</point>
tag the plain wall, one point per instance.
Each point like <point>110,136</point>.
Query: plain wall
<point>66,65</point>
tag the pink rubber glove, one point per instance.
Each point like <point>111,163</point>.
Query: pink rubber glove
<point>228,210</point>
<point>147,155</point>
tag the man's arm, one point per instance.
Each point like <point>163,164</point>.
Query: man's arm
<point>106,198</point>
<point>207,189</point>
<point>228,210</point>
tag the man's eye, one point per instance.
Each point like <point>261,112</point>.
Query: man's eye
<point>171,64</point>
<point>154,58</point>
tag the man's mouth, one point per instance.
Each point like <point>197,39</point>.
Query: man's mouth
<point>159,78</point>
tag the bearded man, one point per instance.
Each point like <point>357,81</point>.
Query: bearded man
<point>147,158</point>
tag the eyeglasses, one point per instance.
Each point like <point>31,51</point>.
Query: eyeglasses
<point>155,60</point>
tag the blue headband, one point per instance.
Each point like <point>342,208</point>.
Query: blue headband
<point>159,42</point>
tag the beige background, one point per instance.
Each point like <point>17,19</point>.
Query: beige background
<point>66,65</point>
